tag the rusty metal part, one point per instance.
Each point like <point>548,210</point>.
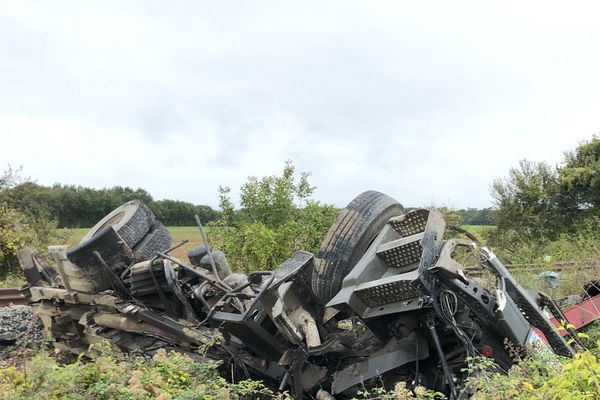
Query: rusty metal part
<point>27,263</point>
<point>166,324</point>
<point>176,246</point>
<point>113,278</point>
<point>58,254</point>
<point>126,323</point>
<point>36,268</point>
<point>15,296</point>
<point>56,294</point>
<point>464,232</point>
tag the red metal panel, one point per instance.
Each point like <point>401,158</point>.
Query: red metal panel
<point>579,315</point>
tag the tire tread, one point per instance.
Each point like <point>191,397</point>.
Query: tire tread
<point>348,238</point>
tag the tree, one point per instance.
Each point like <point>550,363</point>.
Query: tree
<point>579,181</point>
<point>277,217</point>
<point>527,202</point>
<point>272,199</point>
<point>475,216</point>
<point>538,203</point>
<point>181,213</point>
<point>226,206</point>
<point>78,206</point>
<point>19,228</point>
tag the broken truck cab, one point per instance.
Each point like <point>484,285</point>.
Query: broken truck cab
<point>384,301</point>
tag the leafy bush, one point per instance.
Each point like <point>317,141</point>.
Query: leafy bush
<point>277,218</point>
<point>400,392</point>
<point>18,228</point>
<point>527,202</point>
<point>164,376</point>
<point>539,377</point>
<point>538,202</point>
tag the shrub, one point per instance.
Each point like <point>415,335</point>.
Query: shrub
<point>164,376</point>
<point>18,228</point>
<point>277,218</point>
<point>400,392</point>
<point>538,377</point>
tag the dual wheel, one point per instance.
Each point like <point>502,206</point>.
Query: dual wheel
<point>137,226</point>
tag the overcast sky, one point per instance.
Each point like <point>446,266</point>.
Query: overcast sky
<point>426,101</point>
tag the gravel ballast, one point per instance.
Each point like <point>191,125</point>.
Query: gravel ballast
<point>19,327</point>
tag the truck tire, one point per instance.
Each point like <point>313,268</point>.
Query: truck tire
<point>131,221</point>
<point>157,239</point>
<point>348,238</point>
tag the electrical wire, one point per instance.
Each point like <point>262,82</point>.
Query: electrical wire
<point>446,305</point>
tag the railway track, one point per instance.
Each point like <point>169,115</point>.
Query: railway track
<point>10,296</point>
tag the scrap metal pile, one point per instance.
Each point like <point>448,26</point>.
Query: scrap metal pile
<point>383,301</point>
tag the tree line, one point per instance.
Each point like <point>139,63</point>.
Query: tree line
<point>476,216</point>
<point>78,206</point>
<point>74,206</point>
<point>539,202</point>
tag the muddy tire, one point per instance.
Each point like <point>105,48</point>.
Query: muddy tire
<point>131,221</point>
<point>348,238</point>
<point>157,239</point>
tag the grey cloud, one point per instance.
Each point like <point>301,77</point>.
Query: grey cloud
<point>428,103</point>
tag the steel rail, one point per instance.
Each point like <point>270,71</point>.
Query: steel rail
<point>17,296</point>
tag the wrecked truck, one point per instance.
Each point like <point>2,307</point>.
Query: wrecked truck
<point>387,299</point>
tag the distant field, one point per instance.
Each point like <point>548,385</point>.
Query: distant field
<point>76,234</point>
<point>178,234</point>
<point>478,228</point>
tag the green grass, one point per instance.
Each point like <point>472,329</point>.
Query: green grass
<point>12,280</point>
<point>74,235</point>
<point>178,233</point>
<point>478,228</point>
<point>165,376</point>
